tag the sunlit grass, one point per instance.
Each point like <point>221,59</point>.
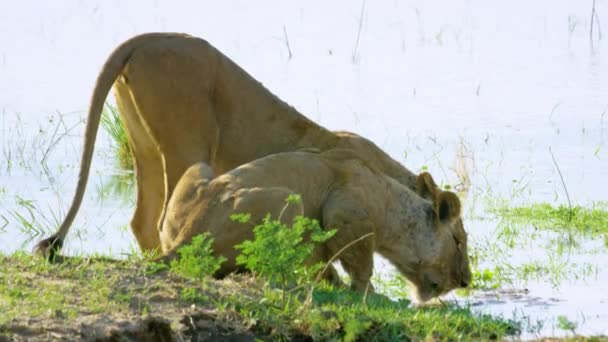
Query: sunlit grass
<point>592,221</point>
<point>32,288</point>
<point>110,121</point>
<point>559,231</point>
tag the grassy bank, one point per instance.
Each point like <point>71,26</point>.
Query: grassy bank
<point>103,298</point>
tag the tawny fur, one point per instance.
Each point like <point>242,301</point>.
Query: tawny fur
<point>422,236</point>
<point>182,101</point>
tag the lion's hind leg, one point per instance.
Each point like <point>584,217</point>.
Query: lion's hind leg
<point>148,175</point>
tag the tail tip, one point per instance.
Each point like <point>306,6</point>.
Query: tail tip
<point>49,248</point>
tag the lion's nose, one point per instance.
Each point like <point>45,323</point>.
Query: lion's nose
<point>465,280</point>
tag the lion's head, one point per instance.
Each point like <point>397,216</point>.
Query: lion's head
<point>433,255</point>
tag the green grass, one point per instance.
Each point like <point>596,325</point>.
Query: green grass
<point>559,230</point>
<point>110,121</point>
<point>279,252</point>
<point>32,288</point>
<point>378,318</point>
<point>565,324</point>
<point>592,221</point>
<point>277,303</point>
<point>82,289</point>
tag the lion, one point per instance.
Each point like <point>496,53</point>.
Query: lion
<point>419,232</point>
<point>182,101</point>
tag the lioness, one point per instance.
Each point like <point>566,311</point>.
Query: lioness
<point>182,101</point>
<point>419,235</point>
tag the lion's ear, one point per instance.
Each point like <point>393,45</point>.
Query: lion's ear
<point>425,186</point>
<point>447,207</point>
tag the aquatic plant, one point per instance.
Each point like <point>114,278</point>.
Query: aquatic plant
<point>110,121</point>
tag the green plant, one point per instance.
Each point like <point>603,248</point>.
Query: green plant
<point>119,185</point>
<point>485,279</point>
<point>33,289</point>
<point>196,260</point>
<point>190,294</point>
<point>110,121</point>
<point>590,221</point>
<point>278,252</point>
<point>354,328</point>
<point>155,267</point>
<point>560,229</point>
<point>33,221</point>
<point>565,324</point>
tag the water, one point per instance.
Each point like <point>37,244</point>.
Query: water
<point>506,83</point>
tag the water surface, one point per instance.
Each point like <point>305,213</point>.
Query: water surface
<point>491,88</point>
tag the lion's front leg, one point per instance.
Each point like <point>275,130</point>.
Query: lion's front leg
<point>354,242</point>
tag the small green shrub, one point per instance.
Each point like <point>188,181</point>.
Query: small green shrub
<point>155,267</point>
<point>196,260</point>
<point>279,252</point>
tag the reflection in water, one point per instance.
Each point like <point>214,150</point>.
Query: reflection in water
<point>119,186</point>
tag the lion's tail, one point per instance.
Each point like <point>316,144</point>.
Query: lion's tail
<point>110,71</point>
